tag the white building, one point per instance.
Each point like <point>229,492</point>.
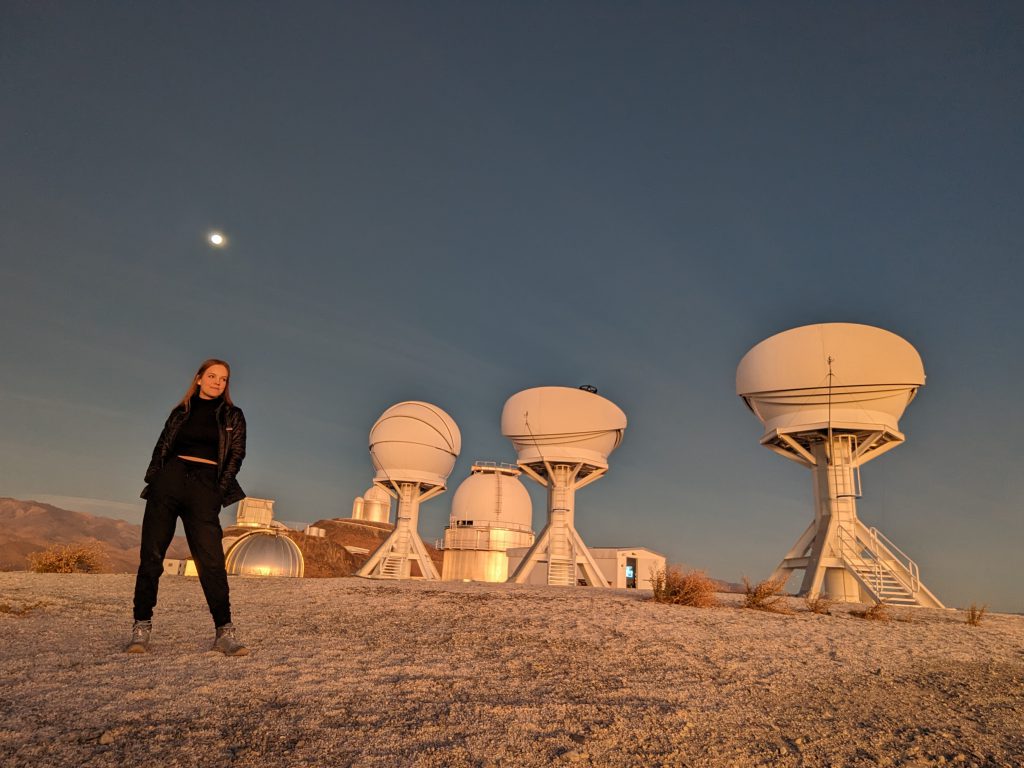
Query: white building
<point>628,568</point>
<point>491,512</point>
<point>622,568</point>
<point>179,567</point>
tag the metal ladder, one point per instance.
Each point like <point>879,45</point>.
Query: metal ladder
<point>561,560</point>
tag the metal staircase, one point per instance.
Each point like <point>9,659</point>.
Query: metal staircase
<point>561,572</point>
<point>885,572</point>
<point>393,565</point>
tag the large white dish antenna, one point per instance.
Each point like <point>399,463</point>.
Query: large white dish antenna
<point>562,424</point>
<point>830,397</point>
<point>844,374</point>
<point>414,442</point>
<point>562,437</point>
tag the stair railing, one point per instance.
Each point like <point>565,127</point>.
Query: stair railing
<point>851,550</point>
<point>898,557</point>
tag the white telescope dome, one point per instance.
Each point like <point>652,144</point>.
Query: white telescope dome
<point>264,553</point>
<point>378,494</point>
<point>493,497</point>
<point>375,505</point>
<point>562,424</point>
<point>785,379</point>
<point>414,442</point>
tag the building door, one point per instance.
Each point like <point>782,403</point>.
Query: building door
<point>630,573</point>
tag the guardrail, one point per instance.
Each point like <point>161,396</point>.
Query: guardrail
<point>894,553</point>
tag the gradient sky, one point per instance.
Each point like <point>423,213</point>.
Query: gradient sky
<point>454,201</point>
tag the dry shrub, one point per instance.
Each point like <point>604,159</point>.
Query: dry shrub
<point>975,615</point>
<point>69,558</point>
<point>877,612</point>
<point>674,585</point>
<point>819,604</point>
<point>766,595</point>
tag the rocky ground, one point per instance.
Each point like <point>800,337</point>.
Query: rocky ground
<point>371,673</point>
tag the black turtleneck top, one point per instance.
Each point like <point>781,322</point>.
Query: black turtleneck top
<point>199,435</point>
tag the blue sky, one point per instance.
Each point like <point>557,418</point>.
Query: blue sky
<point>454,201</point>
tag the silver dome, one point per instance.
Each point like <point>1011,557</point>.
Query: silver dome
<point>265,553</point>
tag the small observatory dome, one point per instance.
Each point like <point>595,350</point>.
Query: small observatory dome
<point>374,493</point>
<point>376,505</point>
<point>492,494</point>
<point>562,424</point>
<point>414,442</point>
<point>491,513</point>
<point>265,553</point>
<point>785,380</point>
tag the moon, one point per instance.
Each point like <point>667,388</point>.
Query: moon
<point>217,239</point>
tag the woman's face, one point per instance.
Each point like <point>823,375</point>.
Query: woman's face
<point>212,382</point>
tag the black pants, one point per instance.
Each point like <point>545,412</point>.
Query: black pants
<point>188,490</point>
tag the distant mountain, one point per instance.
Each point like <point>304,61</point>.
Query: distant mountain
<point>31,526</point>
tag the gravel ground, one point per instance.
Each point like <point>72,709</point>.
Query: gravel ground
<point>375,673</point>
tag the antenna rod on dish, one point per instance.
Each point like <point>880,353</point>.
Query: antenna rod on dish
<point>831,445</point>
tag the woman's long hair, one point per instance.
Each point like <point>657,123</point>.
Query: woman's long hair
<point>194,386</point>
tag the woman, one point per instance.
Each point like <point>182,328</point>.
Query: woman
<point>191,476</point>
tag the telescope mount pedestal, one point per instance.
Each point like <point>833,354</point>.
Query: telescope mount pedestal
<point>394,558</point>
<point>559,544</point>
<point>841,557</point>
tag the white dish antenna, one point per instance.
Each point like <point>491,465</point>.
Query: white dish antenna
<point>830,397</point>
<point>413,447</point>
<point>562,424</point>
<point>562,437</point>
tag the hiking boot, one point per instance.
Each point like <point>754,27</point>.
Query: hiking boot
<point>140,637</point>
<point>227,643</point>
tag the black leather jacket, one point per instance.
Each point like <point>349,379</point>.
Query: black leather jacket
<point>230,449</point>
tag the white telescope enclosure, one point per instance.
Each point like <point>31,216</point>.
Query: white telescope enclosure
<point>830,397</point>
<point>374,506</point>
<point>491,513</point>
<point>255,513</point>
<point>413,447</point>
<point>562,437</point>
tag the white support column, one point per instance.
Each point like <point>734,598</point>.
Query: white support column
<point>393,558</point>
<point>836,513</point>
<point>560,544</point>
